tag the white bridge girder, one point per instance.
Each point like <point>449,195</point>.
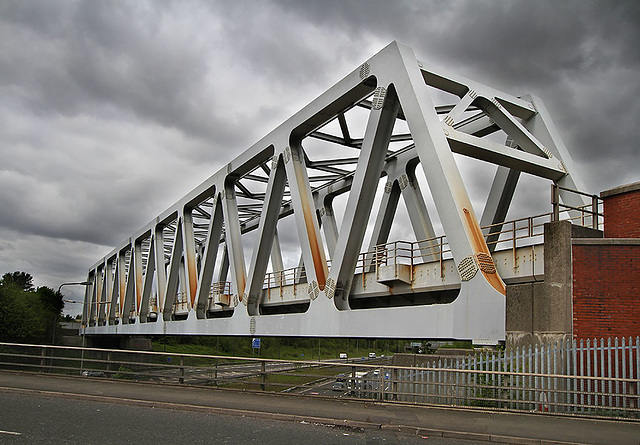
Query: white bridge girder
<point>185,272</point>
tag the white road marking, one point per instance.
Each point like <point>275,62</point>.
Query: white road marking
<point>11,433</point>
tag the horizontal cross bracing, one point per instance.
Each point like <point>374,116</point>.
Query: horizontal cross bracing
<point>377,124</point>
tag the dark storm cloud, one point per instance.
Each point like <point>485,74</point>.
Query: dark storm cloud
<point>111,111</point>
<point>97,57</point>
<point>580,57</point>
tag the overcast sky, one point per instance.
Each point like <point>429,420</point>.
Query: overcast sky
<point>110,111</point>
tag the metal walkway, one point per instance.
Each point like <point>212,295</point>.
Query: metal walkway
<point>314,180</point>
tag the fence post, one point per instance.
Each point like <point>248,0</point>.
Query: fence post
<point>594,210</point>
<point>181,379</point>
<point>263,378</point>
<point>43,355</point>
<point>617,370</point>
<point>353,380</point>
<point>109,357</point>
<point>555,202</point>
<point>82,352</point>
<point>394,384</point>
<point>624,373</point>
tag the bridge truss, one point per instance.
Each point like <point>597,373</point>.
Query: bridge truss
<point>185,271</point>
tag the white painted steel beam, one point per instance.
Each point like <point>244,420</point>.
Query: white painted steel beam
<point>381,119</point>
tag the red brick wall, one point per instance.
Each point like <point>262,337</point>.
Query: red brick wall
<point>606,290</point>
<point>622,215</point>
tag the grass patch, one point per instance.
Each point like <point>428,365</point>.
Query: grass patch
<point>284,348</point>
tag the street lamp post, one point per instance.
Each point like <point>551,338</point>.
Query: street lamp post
<point>78,283</point>
<point>71,283</point>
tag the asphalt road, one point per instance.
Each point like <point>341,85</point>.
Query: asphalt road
<point>37,419</point>
<point>138,411</point>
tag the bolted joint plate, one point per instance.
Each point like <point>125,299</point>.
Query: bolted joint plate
<point>403,181</point>
<point>365,70</point>
<point>469,266</point>
<point>330,288</point>
<point>485,262</point>
<point>314,290</point>
<point>378,98</point>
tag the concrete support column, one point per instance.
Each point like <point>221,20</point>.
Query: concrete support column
<point>542,311</point>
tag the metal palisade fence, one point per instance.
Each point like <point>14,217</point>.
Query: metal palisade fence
<point>595,377</point>
<point>598,378</point>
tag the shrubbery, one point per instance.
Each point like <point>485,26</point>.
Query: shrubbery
<point>27,314</point>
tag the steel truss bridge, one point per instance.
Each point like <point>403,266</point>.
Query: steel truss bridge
<point>315,178</point>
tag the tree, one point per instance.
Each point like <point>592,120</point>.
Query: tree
<point>23,319</point>
<point>26,314</point>
<point>21,279</point>
<point>50,299</point>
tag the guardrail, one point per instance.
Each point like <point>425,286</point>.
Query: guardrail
<point>510,234</point>
<point>499,381</point>
<point>589,215</point>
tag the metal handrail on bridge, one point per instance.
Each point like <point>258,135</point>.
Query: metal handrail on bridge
<point>590,210</point>
<point>505,235</point>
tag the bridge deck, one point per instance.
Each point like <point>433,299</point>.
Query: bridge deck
<point>398,274</point>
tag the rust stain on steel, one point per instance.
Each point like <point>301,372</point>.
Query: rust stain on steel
<point>122,282</point>
<point>316,252</point>
<point>193,278</point>
<point>138,287</point>
<point>241,285</point>
<point>190,256</point>
<point>479,245</point>
<point>98,296</point>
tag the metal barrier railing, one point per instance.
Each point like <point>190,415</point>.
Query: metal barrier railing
<point>220,293</point>
<point>409,253</point>
<point>181,304</point>
<point>496,384</point>
<point>511,234</point>
<point>589,214</point>
<point>274,282</point>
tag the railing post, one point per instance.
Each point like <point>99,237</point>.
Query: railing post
<point>555,202</point>
<point>394,384</point>
<point>353,380</point>
<point>181,379</point>
<point>109,357</point>
<point>82,352</point>
<point>43,356</point>
<point>412,261</point>
<point>440,253</point>
<point>293,281</point>
<point>594,210</point>
<point>514,235</point>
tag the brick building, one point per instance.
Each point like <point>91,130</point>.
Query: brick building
<point>591,286</point>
